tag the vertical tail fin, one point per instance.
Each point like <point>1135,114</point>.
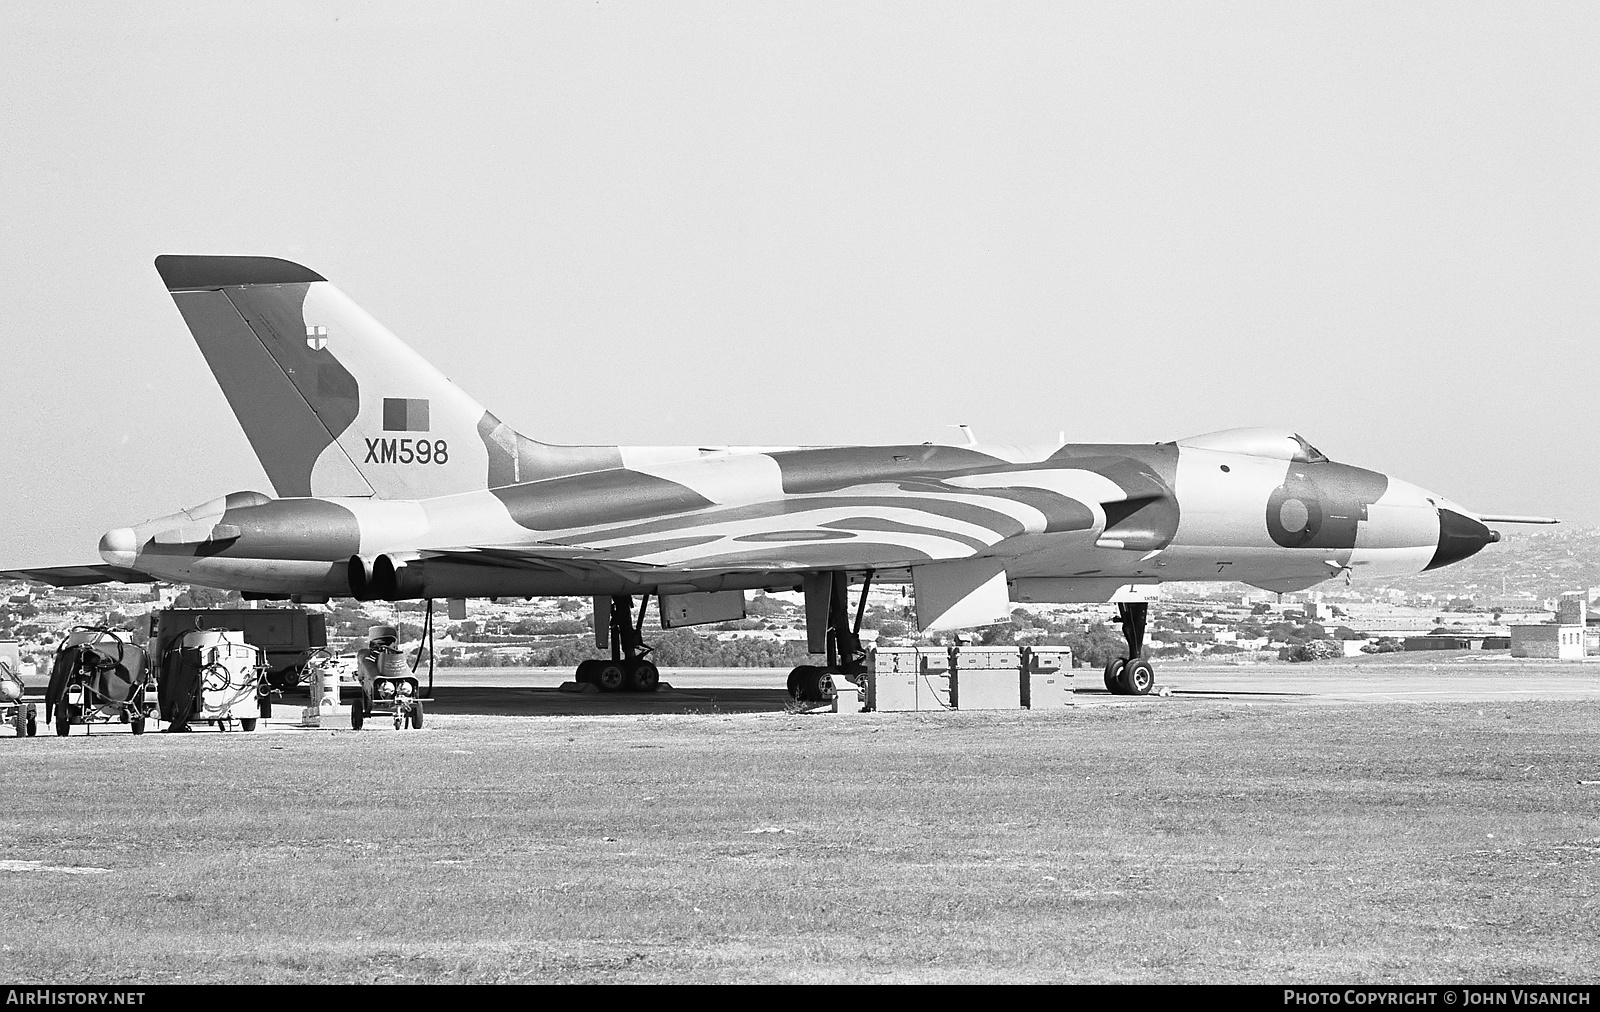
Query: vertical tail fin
<point>332,402</point>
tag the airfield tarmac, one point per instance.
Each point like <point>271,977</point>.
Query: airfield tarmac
<point>1412,818</point>
<point>1454,676</point>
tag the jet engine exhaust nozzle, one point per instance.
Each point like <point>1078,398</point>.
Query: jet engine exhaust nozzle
<point>360,581</point>
<point>394,580</point>
<point>1460,537</point>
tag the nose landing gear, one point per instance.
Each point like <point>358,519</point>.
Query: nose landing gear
<point>1134,676</point>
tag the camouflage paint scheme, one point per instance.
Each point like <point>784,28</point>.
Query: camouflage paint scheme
<point>392,482</point>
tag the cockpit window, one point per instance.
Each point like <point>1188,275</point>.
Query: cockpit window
<point>1275,444</point>
<point>1308,454</point>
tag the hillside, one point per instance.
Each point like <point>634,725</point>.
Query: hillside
<point>1540,561</point>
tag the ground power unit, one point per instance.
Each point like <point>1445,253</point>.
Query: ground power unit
<point>969,678</point>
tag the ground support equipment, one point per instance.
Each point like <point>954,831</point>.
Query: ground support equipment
<point>388,684</point>
<point>98,677</point>
<point>212,676</point>
<point>14,710</point>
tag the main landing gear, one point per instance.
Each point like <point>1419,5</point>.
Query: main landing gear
<point>1134,676</point>
<point>811,683</point>
<point>627,670</point>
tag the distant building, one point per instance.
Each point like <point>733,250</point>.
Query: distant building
<point>1550,640</point>
<point>1566,639</point>
<point>1572,608</point>
<point>1464,641</point>
<point>1512,602</point>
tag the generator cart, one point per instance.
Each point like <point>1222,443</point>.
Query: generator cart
<point>24,716</point>
<point>212,676</point>
<point>98,678</point>
<point>387,682</point>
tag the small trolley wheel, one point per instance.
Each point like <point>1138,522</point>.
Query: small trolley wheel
<point>416,716</point>
<point>247,723</point>
<point>63,722</point>
<point>358,713</point>
<point>610,676</point>
<point>1138,678</point>
<point>136,725</point>
<point>265,707</point>
<point>1114,670</point>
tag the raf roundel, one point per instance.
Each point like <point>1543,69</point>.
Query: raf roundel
<point>1293,515</point>
<point>1294,512</point>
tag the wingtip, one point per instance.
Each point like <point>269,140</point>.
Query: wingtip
<point>185,273</point>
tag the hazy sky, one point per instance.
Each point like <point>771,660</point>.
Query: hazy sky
<point>819,223</point>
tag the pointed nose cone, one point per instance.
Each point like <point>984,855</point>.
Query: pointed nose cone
<point>119,547</point>
<point>1460,537</point>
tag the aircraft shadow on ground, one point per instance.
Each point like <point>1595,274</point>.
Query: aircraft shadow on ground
<point>547,702</point>
<point>524,701</point>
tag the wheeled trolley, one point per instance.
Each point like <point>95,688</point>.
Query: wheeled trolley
<point>20,714</point>
<point>387,682</point>
<point>212,676</point>
<point>98,677</point>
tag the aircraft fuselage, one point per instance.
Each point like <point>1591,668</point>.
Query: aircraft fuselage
<point>1073,522</point>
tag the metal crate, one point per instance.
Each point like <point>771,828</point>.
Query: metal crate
<point>908,678</point>
<point>986,678</point>
<point>1047,678</point>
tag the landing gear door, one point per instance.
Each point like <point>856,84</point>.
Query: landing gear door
<point>699,609</point>
<point>961,595</point>
<point>602,623</point>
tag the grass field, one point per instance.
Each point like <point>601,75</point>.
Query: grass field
<point>1160,840</point>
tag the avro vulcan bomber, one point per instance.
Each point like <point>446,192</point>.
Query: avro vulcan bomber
<point>392,483</point>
